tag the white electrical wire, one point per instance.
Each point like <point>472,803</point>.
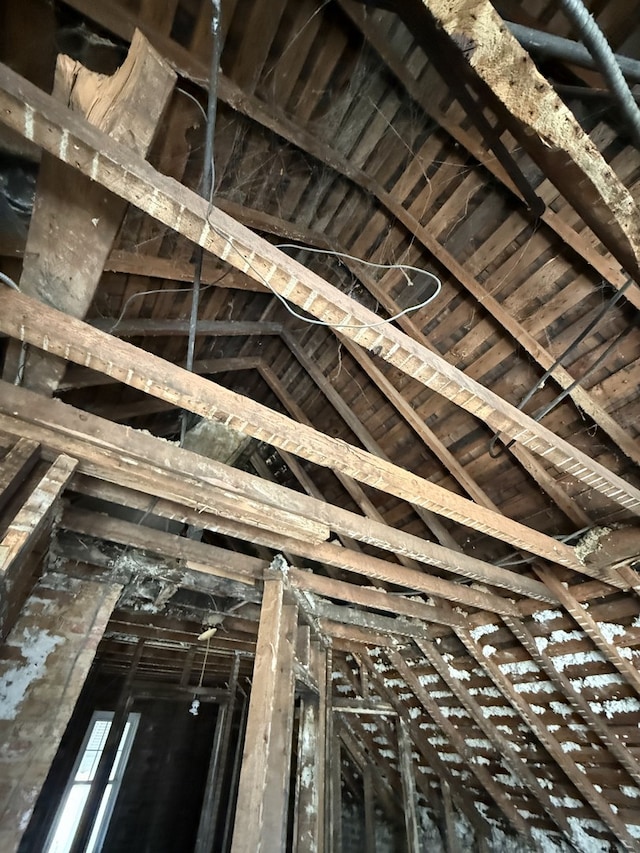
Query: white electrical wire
<point>401,267</point>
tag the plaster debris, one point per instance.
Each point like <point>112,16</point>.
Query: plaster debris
<point>429,678</point>
<point>498,711</point>
<point>610,630</point>
<point>613,707</point>
<point>561,662</point>
<point>590,542</point>
<point>518,667</point>
<point>543,616</point>
<point>586,842</point>
<point>630,791</point>
<point>566,636</point>
<point>541,643</point>
<point>566,802</point>
<point>478,743</point>
<point>481,630</point>
<point>488,650</point>
<point>534,687</point>
<point>570,746</point>
<point>35,647</point>
<point>597,681</point>
<point>414,713</point>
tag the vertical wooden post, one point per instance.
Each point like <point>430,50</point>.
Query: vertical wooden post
<point>369,810</point>
<point>408,787</point>
<point>336,794</point>
<point>452,838</point>
<point>263,792</point>
<point>309,824</point>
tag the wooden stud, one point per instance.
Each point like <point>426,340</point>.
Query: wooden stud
<point>263,793</point>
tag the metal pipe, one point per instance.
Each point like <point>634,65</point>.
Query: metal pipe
<point>600,50</point>
<point>569,51</point>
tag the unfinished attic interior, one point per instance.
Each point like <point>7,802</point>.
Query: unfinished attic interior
<point>319,420</point>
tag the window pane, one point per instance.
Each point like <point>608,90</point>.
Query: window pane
<point>93,751</point>
<point>69,818</point>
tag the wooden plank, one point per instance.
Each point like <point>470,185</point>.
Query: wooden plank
<point>15,466</point>
<point>501,744</point>
<point>541,122</point>
<point>155,327</point>
<point>74,222</point>
<point>263,791</point>
<point>40,119</point>
<point>78,342</point>
<point>457,741</point>
<point>110,451</point>
<point>472,142</point>
<point>589,625</point>
<point>310,768</point>
<point>409,794</point>
<point>574,774</point>
<point>576,700</point>
<point>34,515</point>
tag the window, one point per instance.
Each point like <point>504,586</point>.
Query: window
<point>77,791</point>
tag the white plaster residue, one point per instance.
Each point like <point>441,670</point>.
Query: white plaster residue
<point>35,647</point>
<point>541,643</point>
<point>414,713</point>
<point>497,711</point>
<point>597,681</point>
<point>560,708</point>
<point>634,830</point>
<point>453,711</point>
<point>545,783</point>
<point>369,727</point>
<point>561,662</point>
<point>388,753</point>
<point>430,838</point>
<point>566,802</point>
<point>489,692</point>
<point>481,759</point>
<point>630,791</point>
<point>547,843</point>
<point>429,678</point>
<point>565,636</point>
<point>460,674</point>
<point>488,650</point>
<point>586,842</point>
<point>518,667</point>
<point>610,630</point>
<point>481,630</point>
<point>534,687</point>
<point>441,694</point>
<point>570,746</point>
<point>547,615</point>
<point>478,743</point>
<point>612,707</point>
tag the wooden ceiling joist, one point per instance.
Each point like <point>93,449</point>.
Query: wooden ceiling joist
<point>126,457</point>
<point>74,340</point>
<point>38,117</point>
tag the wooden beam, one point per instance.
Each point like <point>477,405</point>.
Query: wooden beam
<point>192,488</point>
<point>409,795</point>
<point>574,774</point>
<point>542,123</point>
<point>500,743</point>
<point>39,118</point>
<point>377,37</point>
<point>32,518</point>
<point>72,339</point>
<point>74,221</point>
<point>457,741</point>
<point>263,791</point>
<point>15,466</point>
<point>153,328</point>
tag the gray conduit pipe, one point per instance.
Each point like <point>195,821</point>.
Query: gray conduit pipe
<point>599,48</point>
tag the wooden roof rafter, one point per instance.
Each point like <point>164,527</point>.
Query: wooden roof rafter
<point>220,235</point>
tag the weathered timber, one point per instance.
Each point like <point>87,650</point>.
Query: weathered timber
<point>15,466</point>
<point>409,794</point>
<point>540,121</point>
<point>34,515</point>
<point>76,341</point>
<point>573,773</point>
<point>261,808</point>
<point>140,328</point>
<point>501,744</point>
<point>457,741</point>
<point>118,455</point>
<point>40,119</point>
<point>75,220</point>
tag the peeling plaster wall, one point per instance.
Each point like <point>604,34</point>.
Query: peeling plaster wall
<point>43,666</point>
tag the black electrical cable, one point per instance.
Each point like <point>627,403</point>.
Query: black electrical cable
<point>539,384</point>
<point>206,190</point>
